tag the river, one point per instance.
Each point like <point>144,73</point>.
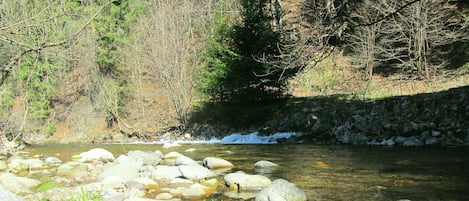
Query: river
<point>331,172</point>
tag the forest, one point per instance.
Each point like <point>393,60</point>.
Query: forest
<point>92,68</point>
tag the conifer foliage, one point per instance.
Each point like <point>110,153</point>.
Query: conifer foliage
<point>233,71</point>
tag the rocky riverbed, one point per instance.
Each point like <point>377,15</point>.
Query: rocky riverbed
<point>138,175</point>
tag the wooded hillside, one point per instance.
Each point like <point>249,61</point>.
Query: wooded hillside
<point>84,70</point>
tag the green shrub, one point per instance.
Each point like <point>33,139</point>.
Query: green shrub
<point>51,127</point>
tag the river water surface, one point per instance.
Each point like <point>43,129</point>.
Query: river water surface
<point>330,172</point>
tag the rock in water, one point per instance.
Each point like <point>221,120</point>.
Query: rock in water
<point>246,182</point>
<point>184,160</point>
<point>265,164</point>
<point>195,172</point>
<point>216,163</point>
<point>146,158</point>
<point>97,154</point>
<point>281,190</point>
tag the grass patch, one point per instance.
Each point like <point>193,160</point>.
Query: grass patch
<point>85,195</point>
<point>48,184</point>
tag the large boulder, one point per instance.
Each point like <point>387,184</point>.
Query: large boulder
<point>265,167</point>
<point>170,158</point>
<point>98,154</point>
<point>164,196</point>
<point>281,190</point>
<point>72,169</point>
<point>51,160</point>
<point>246,182</point>
<point>6,195</point>
<point>217,163</point>
<point>18,185</point>
<point>148,184</point>
<point>146,158</point>
<point>166,172</point>
<point>195,172</point>
<point>184,160</point>
<point>196,192</point>
<point>172,155</point>
<point>17,164</point>
<point>124,168</point>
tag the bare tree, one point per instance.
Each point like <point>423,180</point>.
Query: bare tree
<point>412,39</point>
<point>169,44</point>
<point>309,34</point>
<point>363,39</point>
<point>11,32</point>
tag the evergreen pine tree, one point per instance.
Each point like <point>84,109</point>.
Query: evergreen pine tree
<point>232,72</point>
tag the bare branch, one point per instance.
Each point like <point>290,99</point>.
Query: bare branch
<point>5,71</point>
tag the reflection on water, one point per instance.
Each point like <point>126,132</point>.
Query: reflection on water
<point>332,172</point>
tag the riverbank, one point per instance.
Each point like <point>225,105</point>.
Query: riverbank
<point>438,118</point>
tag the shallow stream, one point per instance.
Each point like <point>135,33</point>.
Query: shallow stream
<point>330,172</point>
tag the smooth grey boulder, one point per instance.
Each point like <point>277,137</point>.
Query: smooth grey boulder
<point>216,163</point>
<point>72,168</point>
<point>195,192</point>
<point>246,182</point>
<point>172,155</point>
<point>164,196</point>
<point>166,172</point>
<point>6,195</point>
<point>265,167</point>
<point>195,172</point>
<point>146,158</point>
<point>281,190</point>
<point>124,168</point>
<point>170,158</point>
<point>17,164</point>
<point>52,160</point>
<point>184,160</point>
<point>265,164</point>
<point>98,154</point>
<point>18,185</point>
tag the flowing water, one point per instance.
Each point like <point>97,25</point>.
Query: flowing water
<point>331,172</point>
